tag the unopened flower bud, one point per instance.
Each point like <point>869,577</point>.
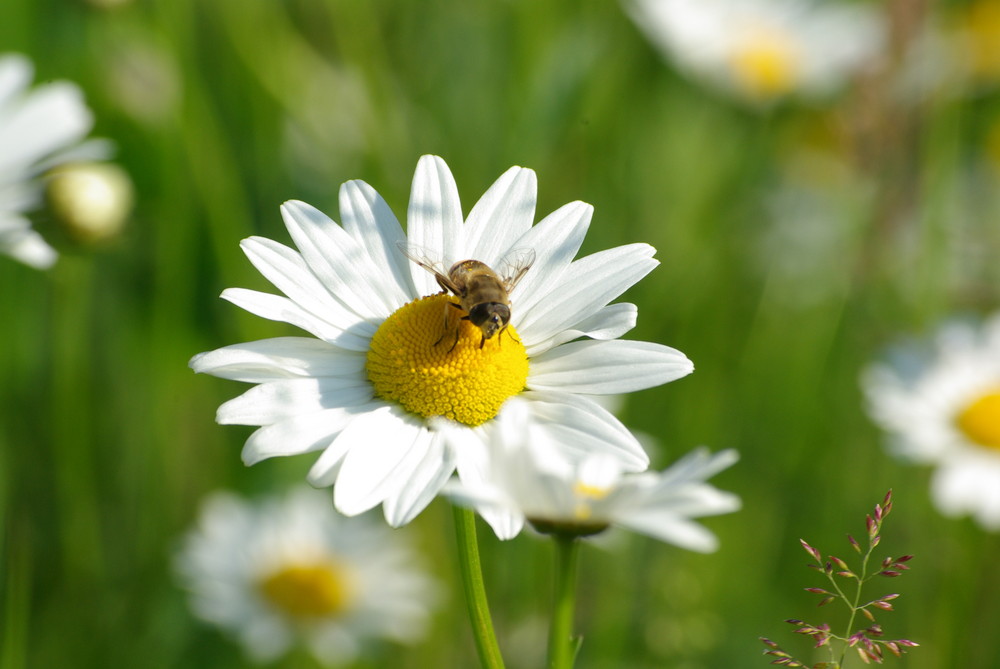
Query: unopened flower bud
<point>90,201</point>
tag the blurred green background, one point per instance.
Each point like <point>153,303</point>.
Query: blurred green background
<point>796,243</point>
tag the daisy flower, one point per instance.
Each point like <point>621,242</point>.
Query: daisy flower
<point>383,374</point>
<point>290,569</point>
<point>763,50</point>
<point>530,478</point>
<point>39,129</point>
<point>943,408</point>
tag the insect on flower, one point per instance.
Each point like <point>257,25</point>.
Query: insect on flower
<point>483,294</point>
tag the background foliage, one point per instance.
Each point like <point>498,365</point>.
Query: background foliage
<point>222,110</point>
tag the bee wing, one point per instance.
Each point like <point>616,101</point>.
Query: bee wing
<point>514,265</point>
<point>424,257</point>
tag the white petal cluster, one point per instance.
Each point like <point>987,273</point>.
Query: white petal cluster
<point>528,478</point>
<point>820,43</point>
<point>237,543</point>
<point>40,128</point>
<point>343,281</point>
<point>917,398</point>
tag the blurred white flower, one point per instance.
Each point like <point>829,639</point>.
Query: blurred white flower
<point>942,406</point>
<point>39,129</point>
<point>763,50</point>
<point>527,477</point>
<point>383,376</point>
<point>291,569</point>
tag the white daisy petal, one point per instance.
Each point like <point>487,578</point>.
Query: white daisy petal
<point>585,287</point>
<point>433,469</point>
<point>367,218</point>
<point>51,117</point>
<point>29,247</point>
<point>610,322</point>
<point>582,426</point>
<point>277,400</point>
<point>556,240</point>
<point>278,308</point>
<point>472,464</point>
<point>672,529</point>
<point>969,486</point>
<point>16,72</point>
<point>289,273</point>
<point>434,217</point>
<point>326,469</point>
<point>611,367</point>
<point>303,433</point>
<point>371,471</point>
<point>338,261</point>
<point>279,358</point>
<point>501,216</point>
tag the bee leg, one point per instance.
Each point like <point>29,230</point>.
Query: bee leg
<point>446,322</point>
<point>454,343</point>
<point>444,327</point>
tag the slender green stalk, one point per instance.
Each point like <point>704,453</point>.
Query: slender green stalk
<point>853,604</point>
<point>562,645</point>
<point>475,591</point>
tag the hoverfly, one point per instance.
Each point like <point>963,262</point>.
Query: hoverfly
<point>483,294</point>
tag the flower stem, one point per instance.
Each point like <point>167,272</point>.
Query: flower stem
<point>475,591</point>
<point>562,645</point>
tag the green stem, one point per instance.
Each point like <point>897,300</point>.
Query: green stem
<point>853,605</point>
<point>562,645</point>
<point>475,591</point>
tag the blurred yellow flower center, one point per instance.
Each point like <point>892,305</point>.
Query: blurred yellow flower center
<point>981,28</point>
<point>585,494</point>
<point>411,361</point>
<point>765,63</point>
<point>980,421</point>
<point>308,590</point>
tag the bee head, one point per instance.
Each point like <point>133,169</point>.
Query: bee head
<point>490,317</point>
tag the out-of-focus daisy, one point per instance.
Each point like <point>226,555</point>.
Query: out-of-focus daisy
<point>291,569</point>
<point>529,478</point>
<point>39,129</point>
<point>943,408</point>
<point>384,372</point>
<point>763,50</point>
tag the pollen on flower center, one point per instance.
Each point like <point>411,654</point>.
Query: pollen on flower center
<point>411,361</point>
<point>980,420</point>
<point>308,590</point>
<point>765,64</point>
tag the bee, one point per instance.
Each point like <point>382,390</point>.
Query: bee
<point>483,294</point>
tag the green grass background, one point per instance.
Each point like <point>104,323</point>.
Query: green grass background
<point>107,439</point>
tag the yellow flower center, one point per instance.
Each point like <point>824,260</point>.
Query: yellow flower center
<point>412,361</point>
<point>585,494</point>
<point>980,420</point>
<point>308,590</point>
<point>764,64</point>
<point>981,27</point>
